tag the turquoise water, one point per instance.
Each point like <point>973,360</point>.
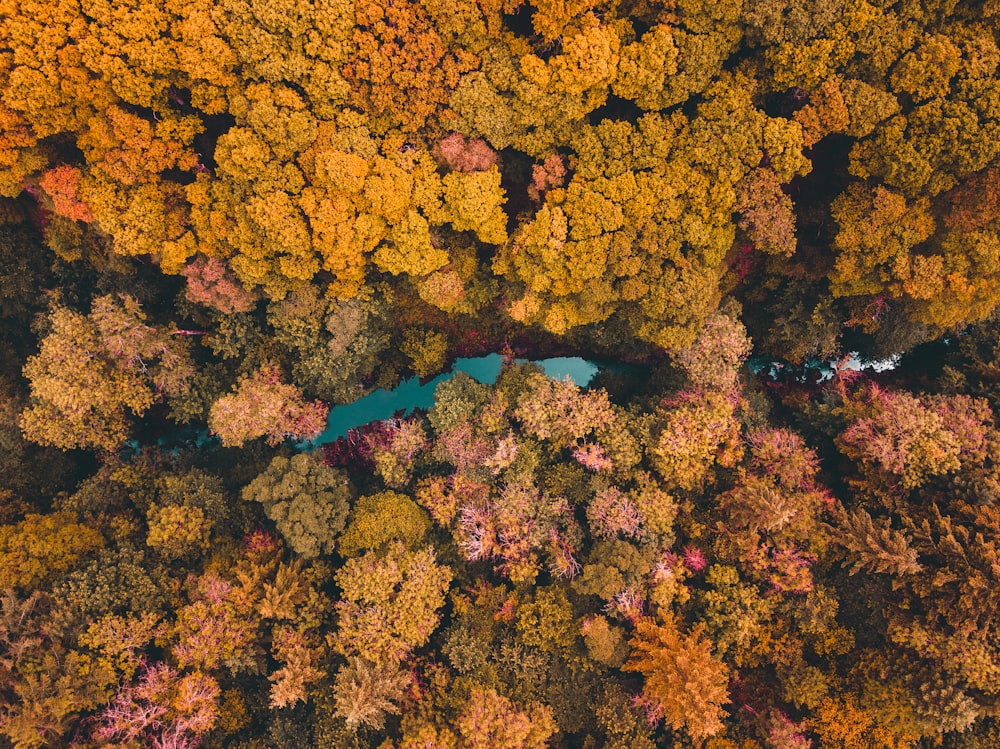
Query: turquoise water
<point>383,404</point>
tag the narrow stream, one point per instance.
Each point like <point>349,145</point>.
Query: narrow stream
<point>383,404</point>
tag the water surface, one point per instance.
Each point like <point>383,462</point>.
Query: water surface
<point>384,404</point>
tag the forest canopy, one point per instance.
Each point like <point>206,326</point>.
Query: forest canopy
<point>220,220</point>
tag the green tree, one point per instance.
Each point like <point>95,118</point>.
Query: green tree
<point>307,500</point>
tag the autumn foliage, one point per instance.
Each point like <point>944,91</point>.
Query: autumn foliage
<point>769,521</point>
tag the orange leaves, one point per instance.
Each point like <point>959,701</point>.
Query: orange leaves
<point>402,67</point>
<point>130,149</point>
<point>825,113</point>
<point>685,685</point>
<point>62,185</point>
<point>767,214</point>
<point>974,203</point>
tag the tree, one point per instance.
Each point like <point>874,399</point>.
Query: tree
<point>642,228</point>
<point>403,67</point>
<point>364,693</point>
<point>178,531</point>
<point>261,405</point>
<point>766,213</point>
<point>684,683</point>
<point>210,282</point>
<point>163,708</point>
<point>560,412</point>
<point>901,441</point>
<point>713,361</point>
<point>390,602</point>
<point>877,229</point>
<point>42,547</point>
<point>378,519</point>
<point>488,719</point>
<point>307,500</point>
<point>695,431</point>
<point>91,371</point>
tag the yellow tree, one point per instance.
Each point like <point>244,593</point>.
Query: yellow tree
<point>92,371</point>
<point>644,224</point>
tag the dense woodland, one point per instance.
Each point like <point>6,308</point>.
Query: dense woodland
<point>221,218</point>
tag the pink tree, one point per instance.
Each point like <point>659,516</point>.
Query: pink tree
<point>211,283</point>
<point>164,709</point>
<point>261,405</point>
<point>463,154</point>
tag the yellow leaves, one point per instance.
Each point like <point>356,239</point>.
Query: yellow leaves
<point>589,57</point>
<point>426,349</point>
<point>282,224</point>
<point>40,547</point>
<point>644,67</point>
<point>694,435</point>
<point>489,720</point>
<point>535,71</point>
<point>335,239</point>
<point>876,229</point>
<point>868,106</point>
<point>241,153</point>
<point>805,65</point>
<point>474,202</point>
<point>388,190</point>
<point>410,249</point>
<point>79,397</point>
<point>280,116</point>
<point>926,72</point>
<point>178,530</point>
<point>962,284</point>
<point>340,171</point>
<point>120,639</point>
<point>390,602</point>
<point>646,221</point>
<point>595,214</point>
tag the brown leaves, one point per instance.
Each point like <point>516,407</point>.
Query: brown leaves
<point>874,545</point>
